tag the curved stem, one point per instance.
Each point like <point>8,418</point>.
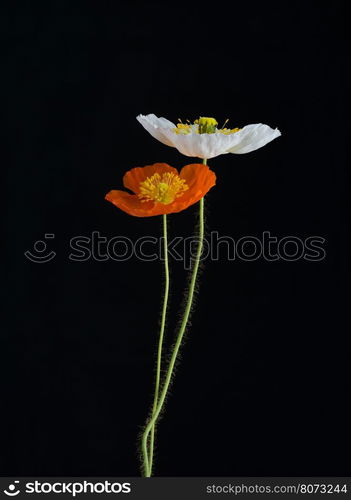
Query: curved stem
<point>181,332</point>
<point>160,341</point>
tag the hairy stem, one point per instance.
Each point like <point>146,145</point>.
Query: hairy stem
<point>160,343</point>
<point>161,401</point>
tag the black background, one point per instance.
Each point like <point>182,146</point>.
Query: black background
<point>263,385</point>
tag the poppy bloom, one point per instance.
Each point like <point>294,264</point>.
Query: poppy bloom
<point>159,189</point>
<point>204,139</point>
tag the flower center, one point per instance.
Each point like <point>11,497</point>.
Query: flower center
<point>203,125</point>
<point>163,189</point>
<point>206,125</point>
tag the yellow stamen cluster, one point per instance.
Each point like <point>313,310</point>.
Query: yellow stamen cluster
<point>182,128</point>
<point>203,125</point>
<point>227,131</point>
<point>164,189</point>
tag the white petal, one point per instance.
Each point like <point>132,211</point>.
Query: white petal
<point>253,137</point>
<point>156,127</point>
<point>200,145</point>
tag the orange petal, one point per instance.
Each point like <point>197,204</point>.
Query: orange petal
<point>200,180</point>
<point>135,176</point>
<point>132,205</point>
<point>129,203</point>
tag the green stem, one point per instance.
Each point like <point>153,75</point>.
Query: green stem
<point>156,413</point>
<point>160,342</point>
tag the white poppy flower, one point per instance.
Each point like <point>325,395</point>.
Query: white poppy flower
<point>202,139</point>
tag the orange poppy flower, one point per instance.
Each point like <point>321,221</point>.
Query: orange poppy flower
<point>159,189</point>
